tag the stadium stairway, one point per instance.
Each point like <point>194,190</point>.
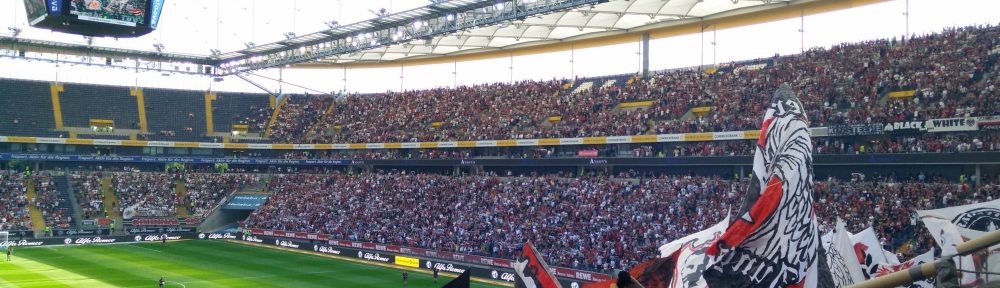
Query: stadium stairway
<point>114,212</point>
<point>326,114</point>
<point>688,116</point>
<point>883,99</point>
<point>584,86</point>
<point>181,188</point>
<point>37,220</point>
<point>260,186</point>
<point>67,198</point>
<point>63,184</point>
<point>274,116</point>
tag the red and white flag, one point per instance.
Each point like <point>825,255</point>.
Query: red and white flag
<point>841,259</point>
<point>886,269</point>
<point>775,240</point>
<point>532,272</point>
<point>870,253</point>
<point>947,236</point>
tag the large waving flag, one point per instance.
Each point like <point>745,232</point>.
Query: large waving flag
<point>775,242</point>
<point>532,272</point>
<point>690,259</point>
<point>886,269</point>
<point>870,252</point>
<point>462,281</point>
<point>681,265</point>
<point>840,257</point>
<point>971,221</point>
<point>947,236</point>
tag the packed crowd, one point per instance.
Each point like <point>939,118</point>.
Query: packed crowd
<point>297,116</point>
<point>595,223</point>
<point>476,214</point>
<point>144,194</point>
<point>205,190</point>
<point>887,205</point>
<point>87,187</point>
<point>953,74</point>
<point>923,143</point>
<point>49,200</point>
<point>13,202</point>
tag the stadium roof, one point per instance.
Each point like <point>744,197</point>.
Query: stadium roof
<point>562,21</point>
<point>604,19</point>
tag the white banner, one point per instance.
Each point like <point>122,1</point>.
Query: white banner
<point>973,220</point>
<point>951,125</point>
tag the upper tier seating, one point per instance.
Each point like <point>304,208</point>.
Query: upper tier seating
<point>171,115</point>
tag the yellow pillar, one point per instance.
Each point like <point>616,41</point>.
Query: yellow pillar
<point>54,89</point>
<point>271,100</point>
<point>209,126</point>
<point>140,100</point>
<point>274,116</point>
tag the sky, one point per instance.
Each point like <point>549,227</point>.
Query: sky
<point>195,26</point>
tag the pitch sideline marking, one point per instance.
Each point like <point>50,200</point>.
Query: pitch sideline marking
<point>140,247</point>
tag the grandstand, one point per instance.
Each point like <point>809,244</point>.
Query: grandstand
<point>446,135</point>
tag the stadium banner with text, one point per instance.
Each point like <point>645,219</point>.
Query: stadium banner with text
<point>407,261</point>
<point>186,160</point>
<point>154,222</point>
<point>855,130</point>
<point>151,229</point>
<point>164,222</point>
<point>91,240</point>
<point>951,125</point>
<point>246,201</point>
<point>906,127</point>
<point>988,123</point>
<point>931,158</point>
<point>78,232</point>
<point>385,253</point>
<point>688,137</point>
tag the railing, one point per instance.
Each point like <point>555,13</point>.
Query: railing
<point>928,270</point>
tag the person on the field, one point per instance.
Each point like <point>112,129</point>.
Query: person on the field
<point>162,281</point>
<point>9,251</point>
<point>406,278</point>
<point>436,275</point>
<point>164,239</point>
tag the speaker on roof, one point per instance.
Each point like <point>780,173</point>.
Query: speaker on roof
<point>107,61</point>
<point>20,53</point>
<point>208,70</point>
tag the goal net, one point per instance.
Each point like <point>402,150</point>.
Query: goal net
<point>4,241</point>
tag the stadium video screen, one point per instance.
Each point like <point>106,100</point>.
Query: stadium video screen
<point>119,12</point>
<point>35,9</point>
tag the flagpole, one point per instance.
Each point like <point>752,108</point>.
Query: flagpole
<point>928,270</point>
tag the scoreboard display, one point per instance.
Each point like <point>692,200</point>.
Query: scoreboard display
<point>118,12</point>
<point>111,18</point>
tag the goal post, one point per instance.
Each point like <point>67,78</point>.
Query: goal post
<point>4,240</point>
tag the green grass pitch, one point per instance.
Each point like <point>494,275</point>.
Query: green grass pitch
<point>193,263</point>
